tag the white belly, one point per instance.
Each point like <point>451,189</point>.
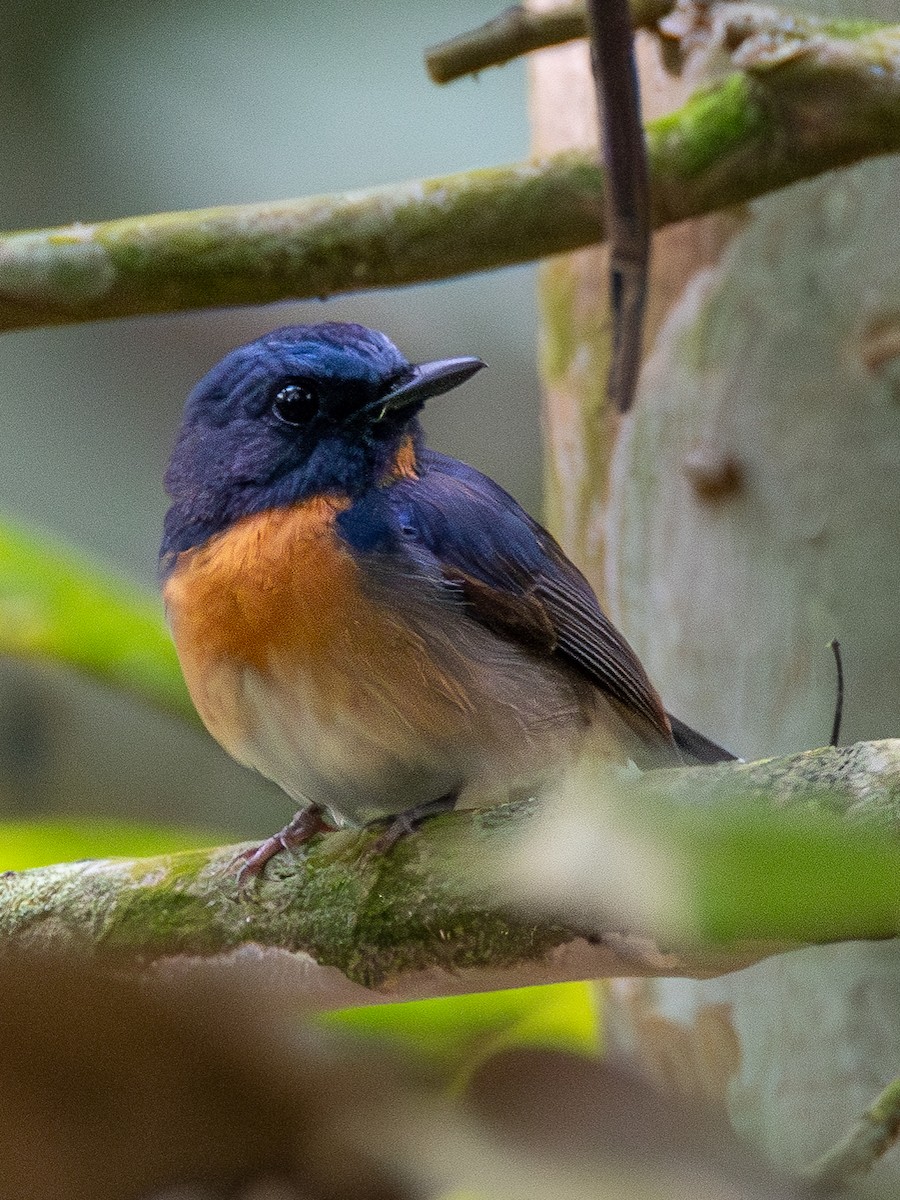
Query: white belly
<point>507,718</point>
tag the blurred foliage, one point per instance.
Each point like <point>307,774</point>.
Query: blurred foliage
<point>703,856</point>
<point>753,871</point>
<point>26,844</point>
<point>55,605</point>
<point>454,1035</point>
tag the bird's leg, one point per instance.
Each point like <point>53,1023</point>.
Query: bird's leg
<point>401,825</point>
<point>302,826</point>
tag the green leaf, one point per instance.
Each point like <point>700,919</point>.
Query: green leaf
<point>56,605</point>
<point>788,875</point>
<point>456,1034</point>
<point>746,870</point>
<point>797,849</point>
<point>25,844</point>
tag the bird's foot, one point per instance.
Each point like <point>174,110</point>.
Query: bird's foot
<point>401,825</point>
<point>303,825</point>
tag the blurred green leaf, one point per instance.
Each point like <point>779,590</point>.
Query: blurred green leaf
<point>747,870</point>
<point>25,844</point>
<point>454,1035</point>
<point>56,605</point>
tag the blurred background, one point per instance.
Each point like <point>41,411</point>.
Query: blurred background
<point>112,110</point>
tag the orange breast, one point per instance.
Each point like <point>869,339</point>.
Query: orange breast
<point>268,581</point>
<point>279,594</point>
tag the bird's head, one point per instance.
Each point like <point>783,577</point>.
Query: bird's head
<point>303,410</point>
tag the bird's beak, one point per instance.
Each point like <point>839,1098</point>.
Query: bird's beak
<point>427,380</point>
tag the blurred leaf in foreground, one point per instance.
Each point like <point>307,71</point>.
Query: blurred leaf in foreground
<point>641,854</point>
<point>25,844</point>
<point>759,872</point>
<point>56,605</point>
<point>456,1034</point>
<point>170,1085</point>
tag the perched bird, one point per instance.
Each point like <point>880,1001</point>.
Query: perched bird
<point>376,627</point>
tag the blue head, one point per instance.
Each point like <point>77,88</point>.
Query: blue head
<point>306,409</point>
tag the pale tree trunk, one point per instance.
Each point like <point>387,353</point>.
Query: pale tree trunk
<point>746,513</point>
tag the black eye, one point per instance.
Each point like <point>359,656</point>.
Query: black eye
<point>296,403</point>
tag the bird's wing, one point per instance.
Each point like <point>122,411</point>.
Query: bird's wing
<point>514,578</point>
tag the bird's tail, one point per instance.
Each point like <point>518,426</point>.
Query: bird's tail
<point>695,747</point>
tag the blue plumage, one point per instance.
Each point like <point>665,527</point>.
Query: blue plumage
<point>459,645</point>
<point>234,457</point>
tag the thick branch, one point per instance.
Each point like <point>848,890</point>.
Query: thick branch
<point>344,925</point>
<point>798,107</point>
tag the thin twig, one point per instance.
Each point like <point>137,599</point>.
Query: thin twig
<point>835,647</point>
<point>514,32</point>
<point>857,1152</point>
<point>517,31</point>
<point>627,193</point>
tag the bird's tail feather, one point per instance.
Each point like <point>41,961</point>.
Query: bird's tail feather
<point>695,747</point>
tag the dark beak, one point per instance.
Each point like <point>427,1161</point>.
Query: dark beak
<point>427,380</point>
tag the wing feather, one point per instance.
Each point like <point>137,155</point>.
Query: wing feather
<point>515,579</point>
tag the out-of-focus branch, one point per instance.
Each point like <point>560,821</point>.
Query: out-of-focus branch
<point>798,106</point>
<point>873,1135</point>
<point>344,925</point>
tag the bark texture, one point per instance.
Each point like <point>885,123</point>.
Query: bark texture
<point>340,923</point>
<point>743,515</point>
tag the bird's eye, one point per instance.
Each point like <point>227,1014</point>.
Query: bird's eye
<point>296,403</point>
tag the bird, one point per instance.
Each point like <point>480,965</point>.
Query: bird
<point>375,626</point>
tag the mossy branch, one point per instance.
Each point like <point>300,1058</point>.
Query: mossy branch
<point>797,106</point>
<point>344,925</point>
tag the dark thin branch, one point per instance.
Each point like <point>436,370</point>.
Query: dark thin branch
<point>627,193</point>
<point>835,647</point>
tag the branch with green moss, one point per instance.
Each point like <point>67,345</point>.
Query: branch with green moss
<point>797,106</point>
<point>342,924</point>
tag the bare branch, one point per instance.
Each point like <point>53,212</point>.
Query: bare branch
<point>518,31</point>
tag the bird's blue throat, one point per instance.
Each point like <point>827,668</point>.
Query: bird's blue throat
<point>340,468</point>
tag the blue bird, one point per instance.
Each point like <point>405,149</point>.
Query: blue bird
<point>378,628</point>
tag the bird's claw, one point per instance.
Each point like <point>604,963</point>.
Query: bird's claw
<point>304,825</point>
<point>401,825</point>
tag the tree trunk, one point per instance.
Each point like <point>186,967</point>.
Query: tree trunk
<point>743,515</point>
